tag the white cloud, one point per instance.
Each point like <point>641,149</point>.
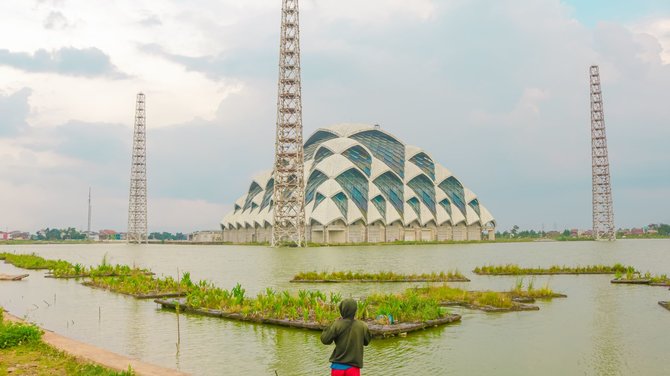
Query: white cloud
<point>495,91</point>
<point>659,29</point>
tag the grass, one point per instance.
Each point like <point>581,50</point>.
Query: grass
<point>513,269</point>
<point>384,276</point>
<point>31,261</point>
<point>23,353</point>
<point>633,275</point>
<point>64,269</point>
<point>139,284</point>
<point>531,292</point>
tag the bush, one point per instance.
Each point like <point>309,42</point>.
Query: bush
<point>12,334</point>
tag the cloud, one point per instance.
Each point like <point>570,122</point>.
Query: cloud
<point>87,62</point>
<point>495,91</point>
<point>151,20</point>
<point>14,109</point>
<point>56,21</point>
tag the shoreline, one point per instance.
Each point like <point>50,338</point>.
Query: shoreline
<point>93,354</point>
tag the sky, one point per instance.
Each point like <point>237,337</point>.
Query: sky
<point>496,91</point>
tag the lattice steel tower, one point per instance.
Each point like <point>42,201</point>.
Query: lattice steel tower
<point>289,188</point>
<point>137,207</point>
<point>603,215</point>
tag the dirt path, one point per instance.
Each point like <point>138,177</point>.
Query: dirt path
<point>100,356</point>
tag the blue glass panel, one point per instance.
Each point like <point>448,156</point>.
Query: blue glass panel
<point>314,181</point>
<point>314,141</point>
<point>385,148</point>
<point>322,154</point>
<point>425,189</point>
<point>454,190</point>
<point>414,204</point>
<point>342,203</point>
<point>446,205</point>
<point>360,158</point>
<point>237,207</point>
<point>253,206</point>
<point>474,204</point>
<point>380,204</point>
<point>355,185</point>
<point>392,188</point>
<point>423,161</point>
<point>269,191</point>
<point>318,199</point>
<point>254,190</point>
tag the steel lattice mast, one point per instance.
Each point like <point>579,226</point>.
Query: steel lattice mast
<point>289,188</point>
<point>603,215</point>
<point>137,207</point>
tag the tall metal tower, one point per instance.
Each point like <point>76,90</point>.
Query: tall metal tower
<point>88,228</point>
<point>137,207</point>
<point>289,187</point>
<point>603,215</point>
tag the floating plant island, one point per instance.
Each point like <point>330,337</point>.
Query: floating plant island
<point>386,314</point>
<point>377,329</point>
<point>513,269</point>
<point>637,278</point>
<point>348,276</point>
<point>143,286</point>
<point>665,305</point>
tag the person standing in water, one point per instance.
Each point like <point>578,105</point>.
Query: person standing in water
<point>349,335</point>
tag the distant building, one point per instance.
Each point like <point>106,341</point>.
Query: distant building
<point>637,231</point>
<point>19,235</point>
<point>92,236</point>
<point>206,236</point>
<point>107,235</point>
<point>4,235</point>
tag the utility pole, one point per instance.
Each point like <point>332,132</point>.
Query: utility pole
<point>289,187</point>
<point>603,214</point>
<point>88,228</point>
<point>137,206</point>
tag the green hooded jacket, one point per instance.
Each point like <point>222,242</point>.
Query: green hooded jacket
<point>349,335</point>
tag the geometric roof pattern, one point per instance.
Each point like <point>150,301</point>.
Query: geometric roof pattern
<point>361,173</point>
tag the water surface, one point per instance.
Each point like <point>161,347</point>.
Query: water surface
<point>600,329</point>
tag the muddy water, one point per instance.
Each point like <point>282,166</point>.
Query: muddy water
<point>600,329</point>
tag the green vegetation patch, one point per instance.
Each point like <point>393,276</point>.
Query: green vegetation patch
<point>23,353</point>
<point>17,334</point>
<point>384,276</point>
<point>31,261</point>
<point>635,277</point>
<point>143,286</point>
<point>513,269</point>
<point>386,315</point>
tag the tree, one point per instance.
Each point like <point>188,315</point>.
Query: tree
<point>514,231</point>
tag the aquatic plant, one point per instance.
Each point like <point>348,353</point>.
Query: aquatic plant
<point>140,284</point>
<point>31,261</point>
<point>513,269</point>
<point>531,292</point>
<point>382,276</point>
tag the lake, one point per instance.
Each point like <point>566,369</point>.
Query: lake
<point>600,329</point>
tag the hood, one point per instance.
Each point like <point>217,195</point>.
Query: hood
<point>348,308</point>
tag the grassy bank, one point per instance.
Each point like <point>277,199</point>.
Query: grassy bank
<point>23,353</point>
<point>388,276</point>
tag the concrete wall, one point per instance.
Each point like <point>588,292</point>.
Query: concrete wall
<point>339,233</point>
<point>475,232</point>
<point>376,233</point>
